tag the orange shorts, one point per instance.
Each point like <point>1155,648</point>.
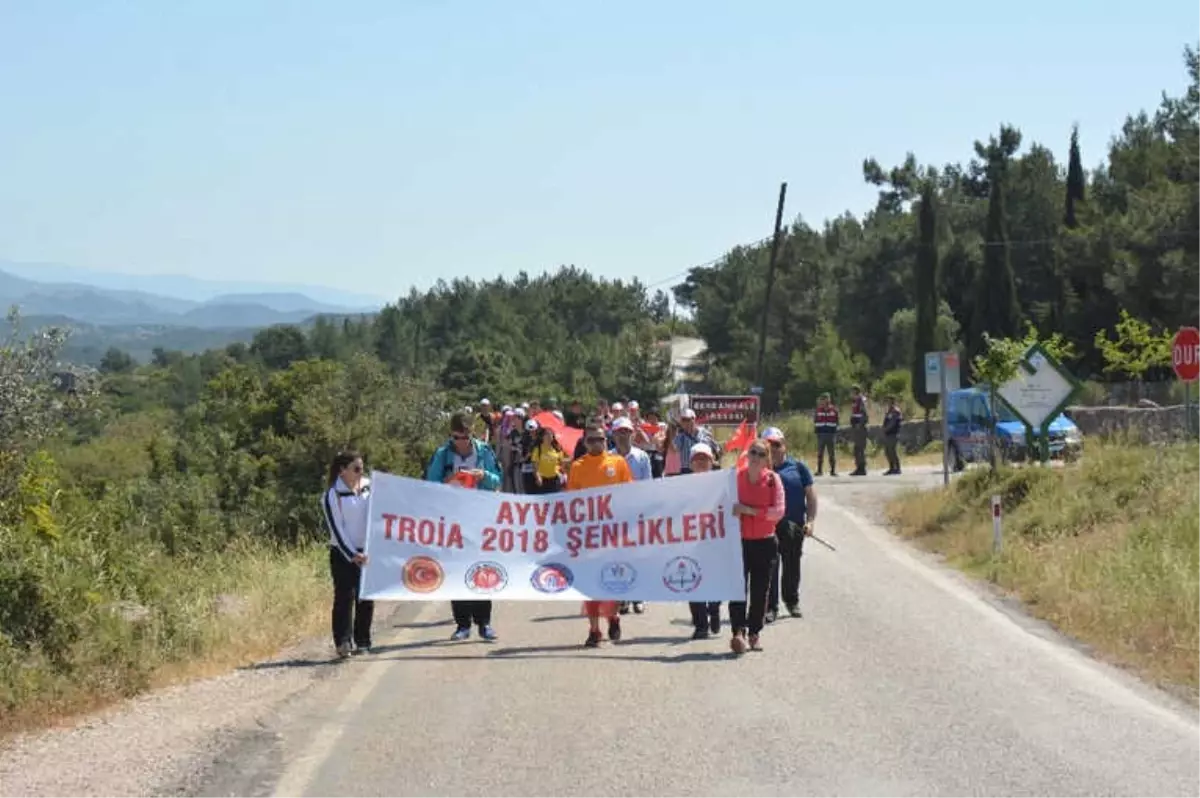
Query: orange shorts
<point>600,609</point>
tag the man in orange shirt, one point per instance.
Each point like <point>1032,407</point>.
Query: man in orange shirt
<point>597,468</point>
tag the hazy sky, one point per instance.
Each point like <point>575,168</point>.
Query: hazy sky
<point>387,144</point>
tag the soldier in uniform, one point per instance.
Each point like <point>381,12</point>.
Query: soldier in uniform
<point>891,434</point>
<point>825,421</point>
<point>858,431</point>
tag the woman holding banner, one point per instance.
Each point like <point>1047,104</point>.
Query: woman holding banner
<point>760,505</point>
<point>706,615</point>
<point>345,508</point>
<point>468,463</point>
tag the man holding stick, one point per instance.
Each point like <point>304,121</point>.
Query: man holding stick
<point>800,500</point>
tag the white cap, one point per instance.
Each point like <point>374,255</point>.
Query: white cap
<point>617,406</point>
<point>633,405</point>
<point>622,423</point>
<point>506,409</point>
<point>702,449</point>
<point>468,409</point>
<point>485,401</point>
<point>524,405</point>
<point>520,411</point>
<point>687,412</point>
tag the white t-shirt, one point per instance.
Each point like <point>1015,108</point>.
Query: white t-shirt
<point>460,463</point>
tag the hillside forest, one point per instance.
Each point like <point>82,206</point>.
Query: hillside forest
<point>133,497</point>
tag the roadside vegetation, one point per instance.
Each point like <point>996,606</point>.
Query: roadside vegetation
<point>1106,550</point>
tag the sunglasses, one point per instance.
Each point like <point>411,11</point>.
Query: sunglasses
<point>776,445</point>
<point>461,437</point>
<point>594,440</point>
<point>757,453</point>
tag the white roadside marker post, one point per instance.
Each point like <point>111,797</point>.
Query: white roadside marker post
<point>996,524</point>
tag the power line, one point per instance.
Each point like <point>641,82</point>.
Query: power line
<point>1028,242</point>
<point>709,263</point>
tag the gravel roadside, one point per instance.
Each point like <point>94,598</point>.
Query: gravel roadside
<point>162,742</point>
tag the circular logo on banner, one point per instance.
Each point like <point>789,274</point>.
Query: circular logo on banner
<point>422,574</point>
<point>486,577</point>
<point>552,577</point>
<point>682,575</point>
<point>618,577</point>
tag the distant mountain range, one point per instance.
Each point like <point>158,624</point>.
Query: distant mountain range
<point>178,286</point>
<point>106,309</point>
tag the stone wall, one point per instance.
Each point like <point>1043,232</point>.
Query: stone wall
<point>1139,424</point>
<point>912,434</point>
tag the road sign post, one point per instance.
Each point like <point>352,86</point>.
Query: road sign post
<point>942,375</point>
<point>1038,393</point>
<point>1185,359</point>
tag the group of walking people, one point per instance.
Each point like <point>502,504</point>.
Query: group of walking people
<point>776,507</point>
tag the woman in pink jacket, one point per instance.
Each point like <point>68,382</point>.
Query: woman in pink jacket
<point>759,508</point>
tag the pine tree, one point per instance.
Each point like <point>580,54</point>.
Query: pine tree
<point>925,280</point>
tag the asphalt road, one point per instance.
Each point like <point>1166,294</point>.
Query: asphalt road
<point>901,679</point>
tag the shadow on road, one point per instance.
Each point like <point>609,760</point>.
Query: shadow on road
<point>424,624</point>
<point>575,616</point>
<point>576,651</point>
<point>289,663</point>
<point>629,641</point>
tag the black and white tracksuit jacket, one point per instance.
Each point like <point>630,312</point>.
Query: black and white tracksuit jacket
<point>346,516</point>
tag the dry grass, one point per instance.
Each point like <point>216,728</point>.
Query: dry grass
<point>1107,551</point>
<point>218,613</point>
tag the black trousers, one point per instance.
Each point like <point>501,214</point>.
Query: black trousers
<point>701,610</point>
<point>791,549</point>
<point>549,485</point>
<point>889,448</point>
<point>759,558</point>
<point>471,611</point>
<point>827,443</point>
<point>348,612</point>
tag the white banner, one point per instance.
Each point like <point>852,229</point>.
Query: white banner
<point>655,540</point>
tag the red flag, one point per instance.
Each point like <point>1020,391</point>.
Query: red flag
<point>568,437</point>
<point>740,442</point>
<point>742,438</point>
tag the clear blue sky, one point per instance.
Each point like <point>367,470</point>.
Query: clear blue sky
<point>386,144</point>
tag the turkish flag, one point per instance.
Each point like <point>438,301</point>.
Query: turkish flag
<point>568,437</point>
<point>740,442</point>
<point>742,438</point>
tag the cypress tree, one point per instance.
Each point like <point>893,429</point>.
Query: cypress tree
<point>997,311</point>
<point>1075,181</point>
<point>925,280</point>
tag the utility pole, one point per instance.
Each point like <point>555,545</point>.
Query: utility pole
<point>762,335</point>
